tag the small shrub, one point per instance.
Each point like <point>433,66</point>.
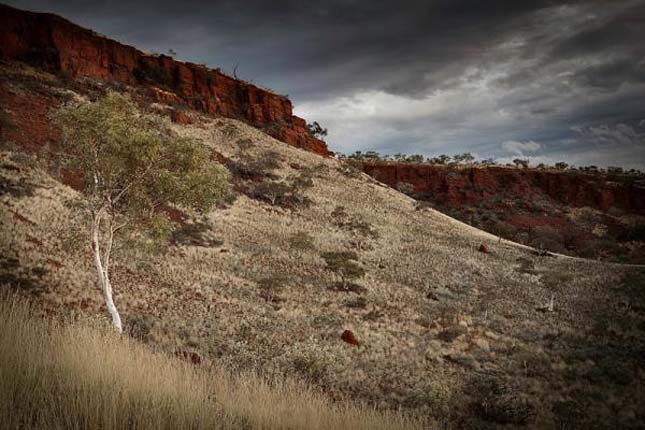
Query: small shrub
<point>339,214</point>
<point>358,302</point>
<point>317,130</point>
<point>299,184</point>
<point>272,192</point>
<point>311,367</point>
<point>139,327</point>
<point>301,242</point>
<point>344,265</point>
<point>351,168</point>
<point>422,204</point>
<point>547,237</point>
<point>434,396</point>
<point>405,187</point>
<point>503,230</point>
<point>17,189</point>
<point>252,166</point>
<point>244,145</point>
<point>271,287</point>
<point>195,234</point>
<point>302,181</point>
<point>353,224</point>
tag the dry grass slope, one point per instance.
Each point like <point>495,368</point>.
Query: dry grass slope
<point>444,331</point>
<point>56,376</point>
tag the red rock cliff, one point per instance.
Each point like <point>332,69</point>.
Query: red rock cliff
<point>454,187</point>
<point>53,43</point>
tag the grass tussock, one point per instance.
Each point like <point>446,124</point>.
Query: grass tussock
<point>59,376</point>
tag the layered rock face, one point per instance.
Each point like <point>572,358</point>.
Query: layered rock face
<point>57,45</point>
<point>458,186</point>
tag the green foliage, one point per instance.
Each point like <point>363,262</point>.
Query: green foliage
<point>317,130</point>
<point>521,163</point>
<point>133,159</point>
<point>441,159</point>
<point>133,163</point>
<point>465,158</point>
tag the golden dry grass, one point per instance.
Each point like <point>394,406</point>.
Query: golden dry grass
<point>58,376</point>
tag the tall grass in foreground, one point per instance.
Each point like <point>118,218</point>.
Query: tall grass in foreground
<point>58,376</point>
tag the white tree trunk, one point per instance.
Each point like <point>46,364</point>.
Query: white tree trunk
<point>104,279</point>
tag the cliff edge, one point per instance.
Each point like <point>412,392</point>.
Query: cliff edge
<point>57,45</point>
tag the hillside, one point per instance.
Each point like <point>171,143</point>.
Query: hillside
<point>441,320</point>
<point>443,329</point>
<point>590,215</point>
<point>79,369</point>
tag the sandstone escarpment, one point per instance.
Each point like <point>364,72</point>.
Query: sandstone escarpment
<point>57,45</point>
<point>458,186</point>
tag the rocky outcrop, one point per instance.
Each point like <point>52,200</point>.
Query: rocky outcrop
<point>57,45</point>
<point>457,186</point>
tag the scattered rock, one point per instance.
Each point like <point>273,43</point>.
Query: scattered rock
<point>349,337</point>
<point>432,296</point>
<point>483,249</point>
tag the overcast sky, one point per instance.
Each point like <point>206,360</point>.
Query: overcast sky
<point>548,80</point>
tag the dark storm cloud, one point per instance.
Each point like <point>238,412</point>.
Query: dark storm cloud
<point>418,76</point>
<point>321,47</point>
